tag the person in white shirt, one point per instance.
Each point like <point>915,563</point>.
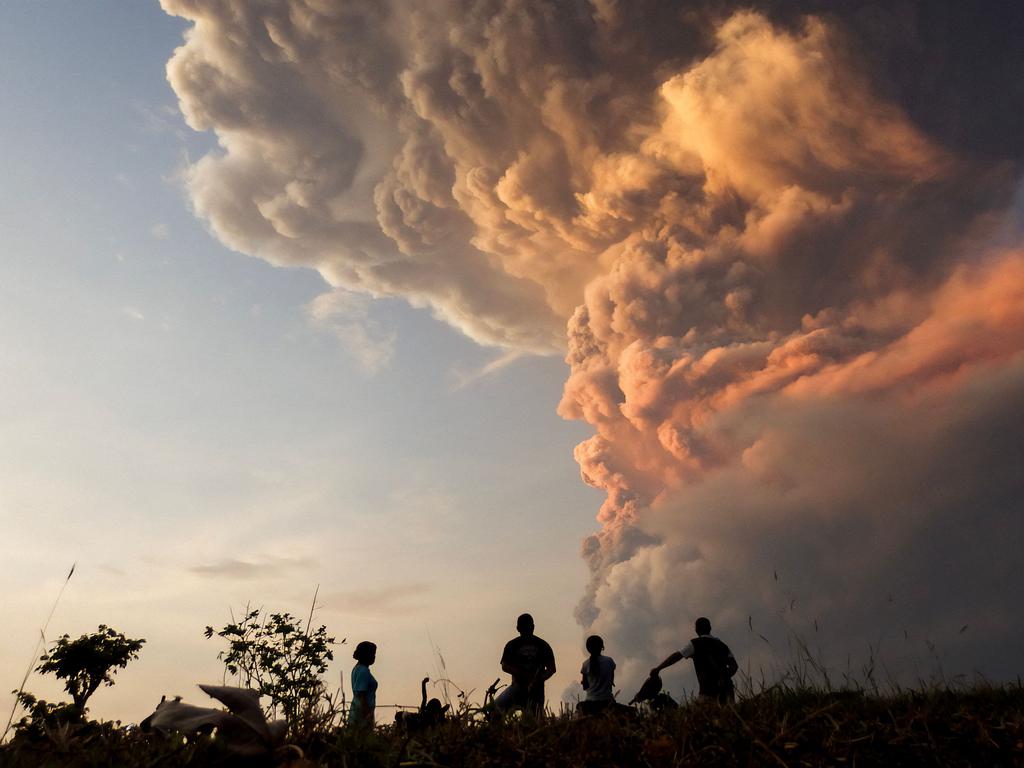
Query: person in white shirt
<point>598,681</point>
<point>712,660</point>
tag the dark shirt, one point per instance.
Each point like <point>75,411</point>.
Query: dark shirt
<point>714,664</point>
<point>528,656</point>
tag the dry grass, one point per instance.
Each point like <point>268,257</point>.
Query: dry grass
<point>978,726</point>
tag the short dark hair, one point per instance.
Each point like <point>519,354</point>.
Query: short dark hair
<point>364,650</point>
<point>524,620</point>
<point>703,626</point>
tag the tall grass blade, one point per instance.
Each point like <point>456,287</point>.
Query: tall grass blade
<point>312,608</point>
<point>41,642</point>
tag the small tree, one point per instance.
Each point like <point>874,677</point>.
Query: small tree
<point>89,662</point>
<point>273,654</point>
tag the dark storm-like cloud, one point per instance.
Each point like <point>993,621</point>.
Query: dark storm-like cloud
<point>780,236</point>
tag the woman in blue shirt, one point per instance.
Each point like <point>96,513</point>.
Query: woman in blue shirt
<point>364,686</point>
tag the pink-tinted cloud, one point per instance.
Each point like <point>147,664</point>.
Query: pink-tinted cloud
<point>794,313</point>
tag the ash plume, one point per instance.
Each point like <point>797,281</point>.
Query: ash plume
<point>783,242</point>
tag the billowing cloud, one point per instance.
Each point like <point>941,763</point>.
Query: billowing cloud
<point>778,240</point>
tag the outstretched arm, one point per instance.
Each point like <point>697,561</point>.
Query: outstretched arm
<point>423,688</point>
<point>675,657</point>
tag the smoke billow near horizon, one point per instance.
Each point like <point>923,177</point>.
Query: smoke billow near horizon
<point>780,245</point>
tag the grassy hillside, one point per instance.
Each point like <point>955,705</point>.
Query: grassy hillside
<point>981,726</point>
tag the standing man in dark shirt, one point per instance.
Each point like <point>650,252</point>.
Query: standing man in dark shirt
<point>712,661</point>
<point>530,661</point>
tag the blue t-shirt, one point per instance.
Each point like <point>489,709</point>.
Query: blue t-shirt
<point>362,682</point>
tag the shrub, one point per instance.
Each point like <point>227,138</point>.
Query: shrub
<point>89,662</point>
<point>274,655</point>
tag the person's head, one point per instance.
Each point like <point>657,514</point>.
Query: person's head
<point>703,626</point>
<point>365,653</point>
<point>524,624</point>
<point>595,645</point>
<point>435,708</point>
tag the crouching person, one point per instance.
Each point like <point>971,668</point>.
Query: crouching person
<point>598,681</point>
<point>530,661</point>
<point>430,713</point>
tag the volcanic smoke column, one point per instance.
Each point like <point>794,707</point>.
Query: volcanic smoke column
<point>802,364</point>
<point>785,247</point>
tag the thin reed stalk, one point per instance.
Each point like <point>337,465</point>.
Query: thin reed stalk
<point>41,642</point>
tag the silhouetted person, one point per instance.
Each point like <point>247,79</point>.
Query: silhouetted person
<point>712,661</point>
<point>651,694</point>
<point>530,661</point>
<point>650,689</point>
<point>364,686</point>
<point>430,712</point>
<point>598,679</point>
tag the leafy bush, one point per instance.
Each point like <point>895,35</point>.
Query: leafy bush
<point>84,665</point>
<point>90,661</point>
<point>42,718</point>
<point>275,655</point>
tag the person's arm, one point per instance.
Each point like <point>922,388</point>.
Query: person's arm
<point>673,658</point>
<point>584,682</point>
<point>686,653</point>
<point>731,667</point>
<point>423,688</point>
<point>507,665</point>
<point>549,665</point>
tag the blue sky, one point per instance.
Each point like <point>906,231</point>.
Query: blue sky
<point>169,406</point>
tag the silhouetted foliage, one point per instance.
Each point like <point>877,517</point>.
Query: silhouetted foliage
<point>780,727</point>
<point>275,655</point>
<point>90,661</point>
<point>41,717</point>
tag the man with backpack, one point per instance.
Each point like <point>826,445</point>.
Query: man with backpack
<point>712,661</point>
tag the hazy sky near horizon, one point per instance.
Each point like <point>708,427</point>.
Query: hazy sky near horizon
<point>780,248</point>
<point>175,423</point>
